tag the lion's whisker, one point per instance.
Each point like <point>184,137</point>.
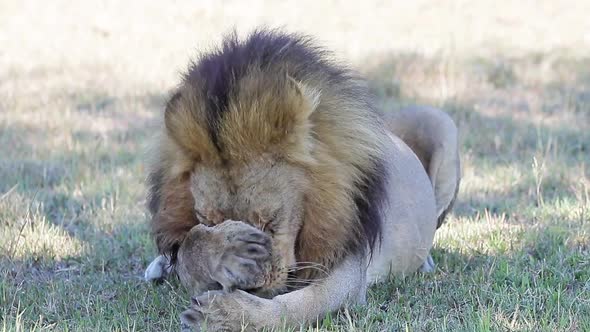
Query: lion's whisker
<point>300,283</point>
<point>321,269</point>
<point>323,272</point>
<point>309,265</point>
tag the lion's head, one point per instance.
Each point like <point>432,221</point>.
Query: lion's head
<point>270,131</point>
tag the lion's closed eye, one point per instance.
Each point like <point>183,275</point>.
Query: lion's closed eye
<point>263,221</point>
<point>268,226</point>
<point>210,217</point>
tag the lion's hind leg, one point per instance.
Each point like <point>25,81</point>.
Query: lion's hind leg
<point>433,137</point>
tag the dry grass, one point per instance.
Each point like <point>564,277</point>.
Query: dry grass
<point>82,83</point>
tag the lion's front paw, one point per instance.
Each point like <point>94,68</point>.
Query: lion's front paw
<point>220,311</point>
<point>245,259</point>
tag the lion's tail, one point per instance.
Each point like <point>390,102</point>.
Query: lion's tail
<point>433,136</point>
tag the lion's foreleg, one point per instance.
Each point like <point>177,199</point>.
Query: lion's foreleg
<point>236,310</point>
<point>346,285</point>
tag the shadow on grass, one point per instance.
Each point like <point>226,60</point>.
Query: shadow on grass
<point>107,273</point>
<point>92,189</point>
<point>510,112</point>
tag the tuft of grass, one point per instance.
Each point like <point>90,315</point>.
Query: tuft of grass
<point>80,94</point>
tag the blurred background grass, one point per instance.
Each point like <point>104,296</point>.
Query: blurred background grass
<point>82,85</point>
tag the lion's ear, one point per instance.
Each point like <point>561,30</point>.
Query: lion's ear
<point>310,96</point>
<point>299,140</point>
<point>183,119</point>
<point>269,113</point>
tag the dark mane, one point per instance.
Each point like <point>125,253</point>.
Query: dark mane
<point>218,70</point>
<point>370,204</point>
<point>215,74</point>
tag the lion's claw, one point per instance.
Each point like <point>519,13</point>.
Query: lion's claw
<point>212,311</point>
<point>222,311</point>
<point>245,258</point>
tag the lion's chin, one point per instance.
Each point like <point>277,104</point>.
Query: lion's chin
<point>268,293</point>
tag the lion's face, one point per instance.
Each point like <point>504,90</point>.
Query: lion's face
<point>276,135</point>
<point>266,194</point>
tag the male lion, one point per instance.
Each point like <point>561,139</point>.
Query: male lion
<point>278,193</point>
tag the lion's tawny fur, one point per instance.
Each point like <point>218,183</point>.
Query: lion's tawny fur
<point>274,180</point>
<point>276,109</point>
